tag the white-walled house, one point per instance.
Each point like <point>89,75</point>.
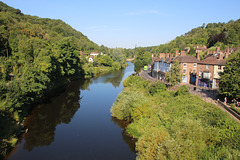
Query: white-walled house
<point>161,67</point>
<point>94,54</point>
<point>90,60</point>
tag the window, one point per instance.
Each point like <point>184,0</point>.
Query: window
<point>206,75</point>
<point>195,64</point>
<point>207,67</point>
<point>184,64</point>
<point>184,71</point>
<point>194,71</point>
<point>200,74</point>
<point>219,67</point>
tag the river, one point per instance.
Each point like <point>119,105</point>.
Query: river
<point>77,124</point>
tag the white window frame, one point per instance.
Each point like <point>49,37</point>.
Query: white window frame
<point>207,66</point>
<point>185,71</point>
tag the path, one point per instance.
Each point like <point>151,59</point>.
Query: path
<point>208,95</point>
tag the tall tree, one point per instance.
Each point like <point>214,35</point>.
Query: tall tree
<point>174,76</point>
<point>229,84</point>
<point>117,56</point>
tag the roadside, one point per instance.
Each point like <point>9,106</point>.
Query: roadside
<point>208,95</point>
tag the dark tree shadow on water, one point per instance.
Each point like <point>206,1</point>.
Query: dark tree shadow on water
<point>131,142</point>
<point>45,117</point>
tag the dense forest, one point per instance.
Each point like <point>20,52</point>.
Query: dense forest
<point>221,35</point>
<point>175,124</point>
<point>38,55</point>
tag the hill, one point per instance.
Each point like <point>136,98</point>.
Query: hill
<point>213,34</point>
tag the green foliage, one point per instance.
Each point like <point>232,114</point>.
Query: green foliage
<point>229,84</point>
<point>157,88</point>
<point>38,55</point>
<point>125,105</point>
<point>143,58</point>
<point>183,90</point>
<point>175,127</point>
<point>138,66</point>
<point>136,82</point>
<point>212,34</point>
<point>174,76</point>
<point>105,60</point>
<point>117,56</point>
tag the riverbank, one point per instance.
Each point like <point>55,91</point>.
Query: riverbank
<point>175,124</point>
<point>11,133</point>
<point>69,122</point>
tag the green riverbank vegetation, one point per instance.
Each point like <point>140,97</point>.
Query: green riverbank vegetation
<point>175,124</point>
<point>37,56</point>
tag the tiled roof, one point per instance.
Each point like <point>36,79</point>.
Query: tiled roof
<point>166,60</point>
<point>213,61</point>
<point>186,59</point>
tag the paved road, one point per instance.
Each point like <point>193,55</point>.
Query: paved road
<point>146,75</point>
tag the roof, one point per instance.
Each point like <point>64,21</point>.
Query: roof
<point>186,59</point>
<point>213,61</point>
<point>166,60</point>
<point>94,53</point>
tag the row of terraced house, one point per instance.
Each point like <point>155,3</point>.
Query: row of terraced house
<point>205,73</point>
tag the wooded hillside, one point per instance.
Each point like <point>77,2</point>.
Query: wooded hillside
<point>213,34</point>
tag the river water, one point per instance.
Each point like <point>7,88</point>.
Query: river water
<point>77,124</point>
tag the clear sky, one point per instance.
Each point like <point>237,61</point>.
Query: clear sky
<point>126,23</point>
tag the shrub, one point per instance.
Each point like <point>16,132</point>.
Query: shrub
<point>126,102</point>
<point>157,87</point>
<point>136,82</point>
<point>183,90</point>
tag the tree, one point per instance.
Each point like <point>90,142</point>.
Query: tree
<point>143,58</point>
<point>137,66</point>
<point>229,84</point>
<point>174,76</point>
<point>117,56</point>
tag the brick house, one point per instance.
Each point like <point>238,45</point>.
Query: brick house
<point>209,69</point>
<point>188,66</point>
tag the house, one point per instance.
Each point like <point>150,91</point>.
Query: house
<point>90,60</point>
<point>209,69</point>
<point>94,54</point>
<point>160,67</point>
<point>188,65</point>
<point>201,49</point>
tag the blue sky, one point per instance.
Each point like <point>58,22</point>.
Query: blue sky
<point>127,23</point>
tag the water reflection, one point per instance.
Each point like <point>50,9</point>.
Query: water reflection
<point>44,119</point>
<point>131,142</point>
<point>90,135</point>
<point>116,78</point>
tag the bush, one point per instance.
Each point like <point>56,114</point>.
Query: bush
<point>183,90</point>
<point>125,104</point>
<point>157,87</point>
<point>136,82</point>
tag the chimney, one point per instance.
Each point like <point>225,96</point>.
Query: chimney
<point>197,56</point>
<point>176,53</point>
<point>162,55</point>
<point>227,53</point>
<point>220,55</point>
<point>168,55</point>
<point>183,53</point>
